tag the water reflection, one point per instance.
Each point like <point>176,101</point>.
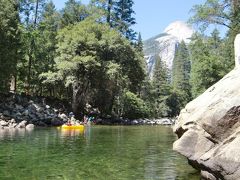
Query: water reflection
<point>11,133</point>
<point>71,132</point>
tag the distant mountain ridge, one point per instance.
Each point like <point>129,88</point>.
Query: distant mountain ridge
<point>164,44</point>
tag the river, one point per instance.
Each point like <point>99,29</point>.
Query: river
<point>101,152</point>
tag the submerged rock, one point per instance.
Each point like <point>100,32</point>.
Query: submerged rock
<point>209,129</point>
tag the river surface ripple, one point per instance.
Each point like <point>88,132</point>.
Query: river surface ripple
<point>100,152</point>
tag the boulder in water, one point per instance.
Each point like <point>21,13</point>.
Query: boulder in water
<point>30,126</point>
<point>209,128</point>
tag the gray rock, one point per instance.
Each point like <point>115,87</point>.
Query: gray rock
<point>3,123</point>
<point>42,124</point>
<point>25,113</point>
<point>18,107</point>
<point>22,124</point>
<point>164,121</point>
<point>32,108</point>
<point>134,122</point>
<point>40,109</point>
<point>209,129</point>
<point>40,116</point>
<point>150,122</point>
<point>32,116</point>
<point>63,116</point>
<point>6,113</point>
<point>207,176</point>
<point>12,125</point>
<point>18,114</point>
<point>12,121</point>
<point>30,126</point>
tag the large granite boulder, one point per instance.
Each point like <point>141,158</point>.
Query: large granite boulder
<point>209,128</point>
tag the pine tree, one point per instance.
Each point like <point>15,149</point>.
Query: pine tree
<point>224,13</point>
<point>103,9</point>
<point>207,62</point>
<point>9,42</point>
<point>123,12</point>
<point>161,88</point>
<point>199,52</point>
<point>73,12</point>
<point>31,13</point>
<point>139,43</point>
<point>181,73</point>
<point>44,55</point>
<point>181,68</point>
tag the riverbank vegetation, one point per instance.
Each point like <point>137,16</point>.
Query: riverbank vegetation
<point>90,54</point>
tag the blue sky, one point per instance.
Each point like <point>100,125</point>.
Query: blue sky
<point>153,16</point>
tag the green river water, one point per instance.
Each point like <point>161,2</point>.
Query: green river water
<point>100,153</point>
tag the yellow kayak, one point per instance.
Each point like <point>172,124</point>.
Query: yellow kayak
<point>79,127</point>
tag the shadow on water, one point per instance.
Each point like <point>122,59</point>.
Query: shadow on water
<point>100,152</point>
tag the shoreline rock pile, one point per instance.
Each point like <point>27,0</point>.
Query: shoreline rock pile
<point>162,121</point>
<point>19,111</point>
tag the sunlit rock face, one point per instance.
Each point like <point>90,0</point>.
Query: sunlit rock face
<point>237,51</point>
<point>164,44</point>
<point>209,128</point>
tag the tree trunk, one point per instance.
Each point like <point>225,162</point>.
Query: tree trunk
<point>31,50</point>
<point>109,12</point>
<point>79,97</point>
<point>235,6</point>
<point>29,69</point>
<point>13,84</point>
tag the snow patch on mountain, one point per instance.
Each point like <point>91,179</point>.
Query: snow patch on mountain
<point>180,30</point>
<point>165,44</point>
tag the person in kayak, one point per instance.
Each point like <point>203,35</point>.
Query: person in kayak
<point>85,119</point>
<point>71,119</point>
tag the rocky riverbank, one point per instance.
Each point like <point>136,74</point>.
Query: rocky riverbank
<point>161,121</point>
<point>18,111</point>
<point>25,111</point>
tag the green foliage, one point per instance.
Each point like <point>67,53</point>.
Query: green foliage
<point>117,13</point>
<point>221,12</point>
<point>39,44</point>
<point>123,14</point>
<point>97,63</point>
<point>161,88</point>
<point>181,73</point>
<point>31,15</point>
<point>134,107</point>
<point>176,101</point>
<point>211,12</point>
<point>102,10</point>
<point>207,62</point>
<point>73,12</point>
<point>9,41</point>
<point>139,43</point>
<point>224,13</point>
